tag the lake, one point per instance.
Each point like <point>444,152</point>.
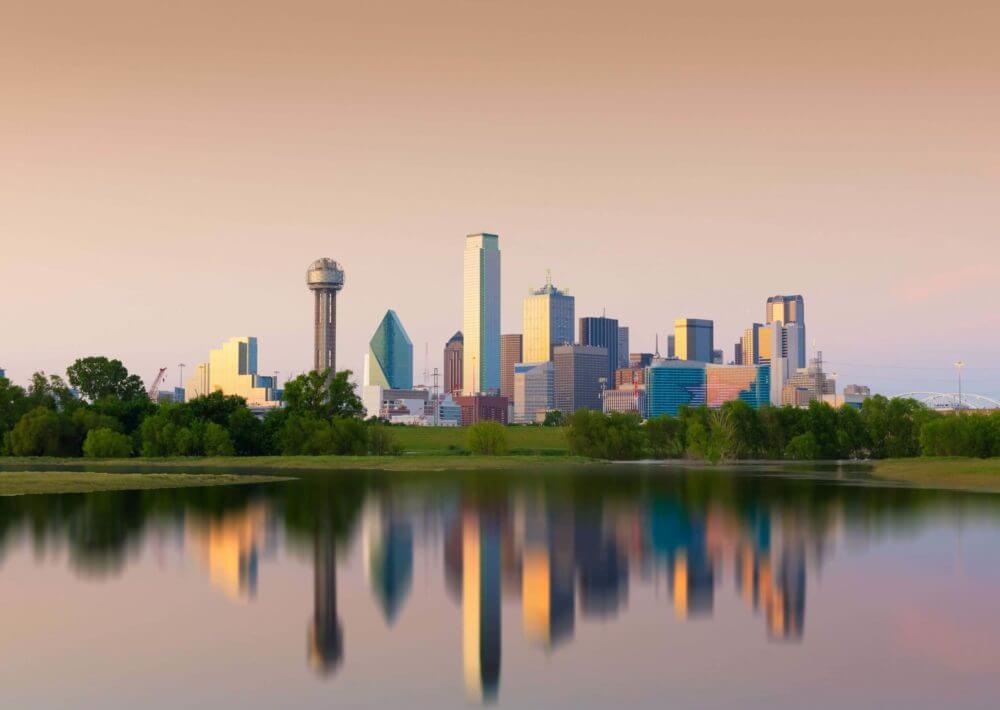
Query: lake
<point>611,586</point>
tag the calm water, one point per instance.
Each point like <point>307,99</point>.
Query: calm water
<point>634,587</point>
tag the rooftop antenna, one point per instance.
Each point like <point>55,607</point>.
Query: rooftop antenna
<point>656,354</point>
<point>180,378</point>
<point>548,278</point>
<point>426,373</point>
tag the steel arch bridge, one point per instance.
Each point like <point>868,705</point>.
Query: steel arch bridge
<point>950,400</point>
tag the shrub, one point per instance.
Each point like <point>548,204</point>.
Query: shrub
<point>106,443</point>
<point>487,438</point>
<point>381,441</point>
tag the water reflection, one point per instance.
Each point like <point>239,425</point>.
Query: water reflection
<point>564,549</point>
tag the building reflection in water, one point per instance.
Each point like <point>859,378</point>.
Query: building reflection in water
<point>230,548</point>
<point>388,552</point>
<point>558,559</point>
<point>481,603</point>
<point>326,637</point>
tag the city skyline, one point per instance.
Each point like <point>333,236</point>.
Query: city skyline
<point>177,176</point>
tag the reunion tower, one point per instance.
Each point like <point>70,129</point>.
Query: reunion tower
<point>325,278</point>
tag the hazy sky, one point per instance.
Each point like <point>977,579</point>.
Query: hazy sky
<point>170,169</point>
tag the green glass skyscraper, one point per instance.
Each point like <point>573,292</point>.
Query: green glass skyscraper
<point>389,362</point>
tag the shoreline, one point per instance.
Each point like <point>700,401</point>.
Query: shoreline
<point>957,474</point>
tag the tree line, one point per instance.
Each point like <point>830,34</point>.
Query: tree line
<point>881,428</point>
<point>102,411</point>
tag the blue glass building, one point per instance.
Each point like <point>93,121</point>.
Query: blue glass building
<point>676,383</point>
<point>389,362</point>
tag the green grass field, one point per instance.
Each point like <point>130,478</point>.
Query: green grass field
<point>16,483</point>
<point>956,473</point>
<point>452,440</point>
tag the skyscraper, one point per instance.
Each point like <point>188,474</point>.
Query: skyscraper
<point>694,339</point>
<point>548,321</point>
<point>578,371</point>
<point>510,354</point>
<point>453,363</point>
<point>325,278</point>
<point>602,332</point>
<point>389,361</point>
<point>622,346</point>
<point>672,384</point>
<point>534,391</point>
<point>790,309</point>
<point>481,314</point>
<point>232,370</point>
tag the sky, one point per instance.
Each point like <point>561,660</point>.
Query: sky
<point>170,169</point>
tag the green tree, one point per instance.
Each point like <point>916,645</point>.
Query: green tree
<point>317,394</point>
<point>106,443</point>
<point>247,433</point>
<point>487,438</point>
<point>98,377</point>
<point>852,439</point>
<point>216,441</point>
<point>745,432</point>
<point>615,436</point>
<point>50,391</point>
<point>13,405</point>
<point>803,447</point>
<point>43,432</point>
<point>665,435</point>
<point>554,418</point>
<point>215,407</point>
<point>822,424</point>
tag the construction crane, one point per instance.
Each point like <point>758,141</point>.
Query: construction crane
<point>154,390</point>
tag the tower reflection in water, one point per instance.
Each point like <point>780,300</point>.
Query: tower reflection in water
<point>326,636</point>
<point>557,557</point>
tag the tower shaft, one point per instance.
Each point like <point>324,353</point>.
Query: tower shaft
<point>325,352</point>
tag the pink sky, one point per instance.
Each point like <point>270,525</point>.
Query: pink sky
<point>170,169</point>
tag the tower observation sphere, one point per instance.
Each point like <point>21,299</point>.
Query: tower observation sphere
<point>324,278</point>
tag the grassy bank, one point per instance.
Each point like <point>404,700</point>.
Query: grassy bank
<point>955,473</point>
<point>286,464</point>
<point>16,483</point>
<point>538,441</point>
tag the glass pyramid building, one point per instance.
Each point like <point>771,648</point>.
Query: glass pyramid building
<point>389,363</point>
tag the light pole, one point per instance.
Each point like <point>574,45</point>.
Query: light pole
<point>959,366</point>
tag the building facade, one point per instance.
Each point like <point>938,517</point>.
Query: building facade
<point>629,399</point>
<point>808,384</point>
<point>602,332</point>
<point>547,320</point>
<point>511,352</point>
<point>453,363</point>
<point>671,384</point>
<point>578,373</point>
<point>694,339</point>
<point>534,392</point>
<point>630,376</point>
<point>640,359</point>
<point>481,314</point>
<point>483,407</point>
<point>389,361</point>
<point>622,347</point>
<point>325,278</point>
<point>786,310</point>
<point>232,370</point>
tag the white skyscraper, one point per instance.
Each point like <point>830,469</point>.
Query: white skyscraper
<point>481,314</point>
